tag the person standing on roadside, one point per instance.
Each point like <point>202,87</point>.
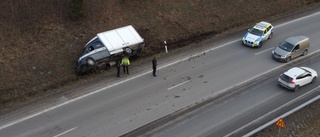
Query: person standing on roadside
<point>154,66</point>
<point>125,63</point>
<point>118,67</point>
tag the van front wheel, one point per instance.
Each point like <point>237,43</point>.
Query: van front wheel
<point>288,59</point>
<point>91,62</point>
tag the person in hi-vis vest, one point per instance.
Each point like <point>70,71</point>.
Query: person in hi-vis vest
<point>125,62</point>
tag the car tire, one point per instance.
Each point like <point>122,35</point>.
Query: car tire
<point>288,59</point>
<point>260,45</point>
<point>296,88</point>
<point>270,36</point>
<point>314,80</point>
<point>304,52</point>
<point>128,50</point>
<point>91,62</point>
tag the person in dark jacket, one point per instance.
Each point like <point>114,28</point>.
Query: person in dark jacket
<point>118,67</point>
<point>154,66</point>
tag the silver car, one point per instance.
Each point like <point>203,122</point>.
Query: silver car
<point>297,77</point>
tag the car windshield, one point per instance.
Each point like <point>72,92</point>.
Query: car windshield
<point>256,32</point>
<point>285,78</point>
<point>286,46</point>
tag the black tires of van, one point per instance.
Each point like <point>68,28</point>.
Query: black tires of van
<point>128,50</point>
<point>288,59</point>
<point>304,52</point>
<point>91,62</point>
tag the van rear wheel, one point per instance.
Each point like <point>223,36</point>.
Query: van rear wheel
<point>128,50</point>
<point>304,52</point>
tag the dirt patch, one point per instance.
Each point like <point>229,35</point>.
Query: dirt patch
<point>304,122</point>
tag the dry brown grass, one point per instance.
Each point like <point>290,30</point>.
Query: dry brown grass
<point>40,45</point>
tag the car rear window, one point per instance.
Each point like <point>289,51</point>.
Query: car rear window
<point>285,78</point>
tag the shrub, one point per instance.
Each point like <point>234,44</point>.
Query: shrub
<point>77,10</point>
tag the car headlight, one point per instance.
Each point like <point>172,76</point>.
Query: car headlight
<point>272,51</point>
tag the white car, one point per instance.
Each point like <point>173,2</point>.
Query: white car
<point>258,34</point>
<point>297,77</point>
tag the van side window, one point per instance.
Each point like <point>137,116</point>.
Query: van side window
<point>91,48</point>
<point>297,47</point>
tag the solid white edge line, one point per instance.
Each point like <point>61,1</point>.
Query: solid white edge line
<point>65,132</point>
<point>280,107</point>
<point>178,85</point>
<point>301,18</point>
<point>264,51</point>
<point>72,100</point>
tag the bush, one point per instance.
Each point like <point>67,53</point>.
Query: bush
<point>77,10</point>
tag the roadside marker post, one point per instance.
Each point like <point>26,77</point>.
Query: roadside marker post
<point>280,124</point>
<point>165,46</point>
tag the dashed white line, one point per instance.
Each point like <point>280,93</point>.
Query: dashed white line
<point>264,51</point>
<point>65,132</point>
<point>178,85</point>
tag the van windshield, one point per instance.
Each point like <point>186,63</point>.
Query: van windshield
<point>286,46</point>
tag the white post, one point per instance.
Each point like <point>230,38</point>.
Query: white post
<point>165,46</point>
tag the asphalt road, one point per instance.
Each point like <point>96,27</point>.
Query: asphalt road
<point>125,106</point>
<point>233,116</point>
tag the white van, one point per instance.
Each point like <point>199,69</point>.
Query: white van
<point>108,46</point>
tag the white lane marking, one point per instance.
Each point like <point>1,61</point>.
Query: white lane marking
<point>65,132</point>
<point>264,51</point>
<point>298,19</point>
<point>280,107</point>
<point>148,72</point>
<point>178,85</point>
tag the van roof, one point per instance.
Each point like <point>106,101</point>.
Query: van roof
<point>119,38</point>
<point>296,39</point>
